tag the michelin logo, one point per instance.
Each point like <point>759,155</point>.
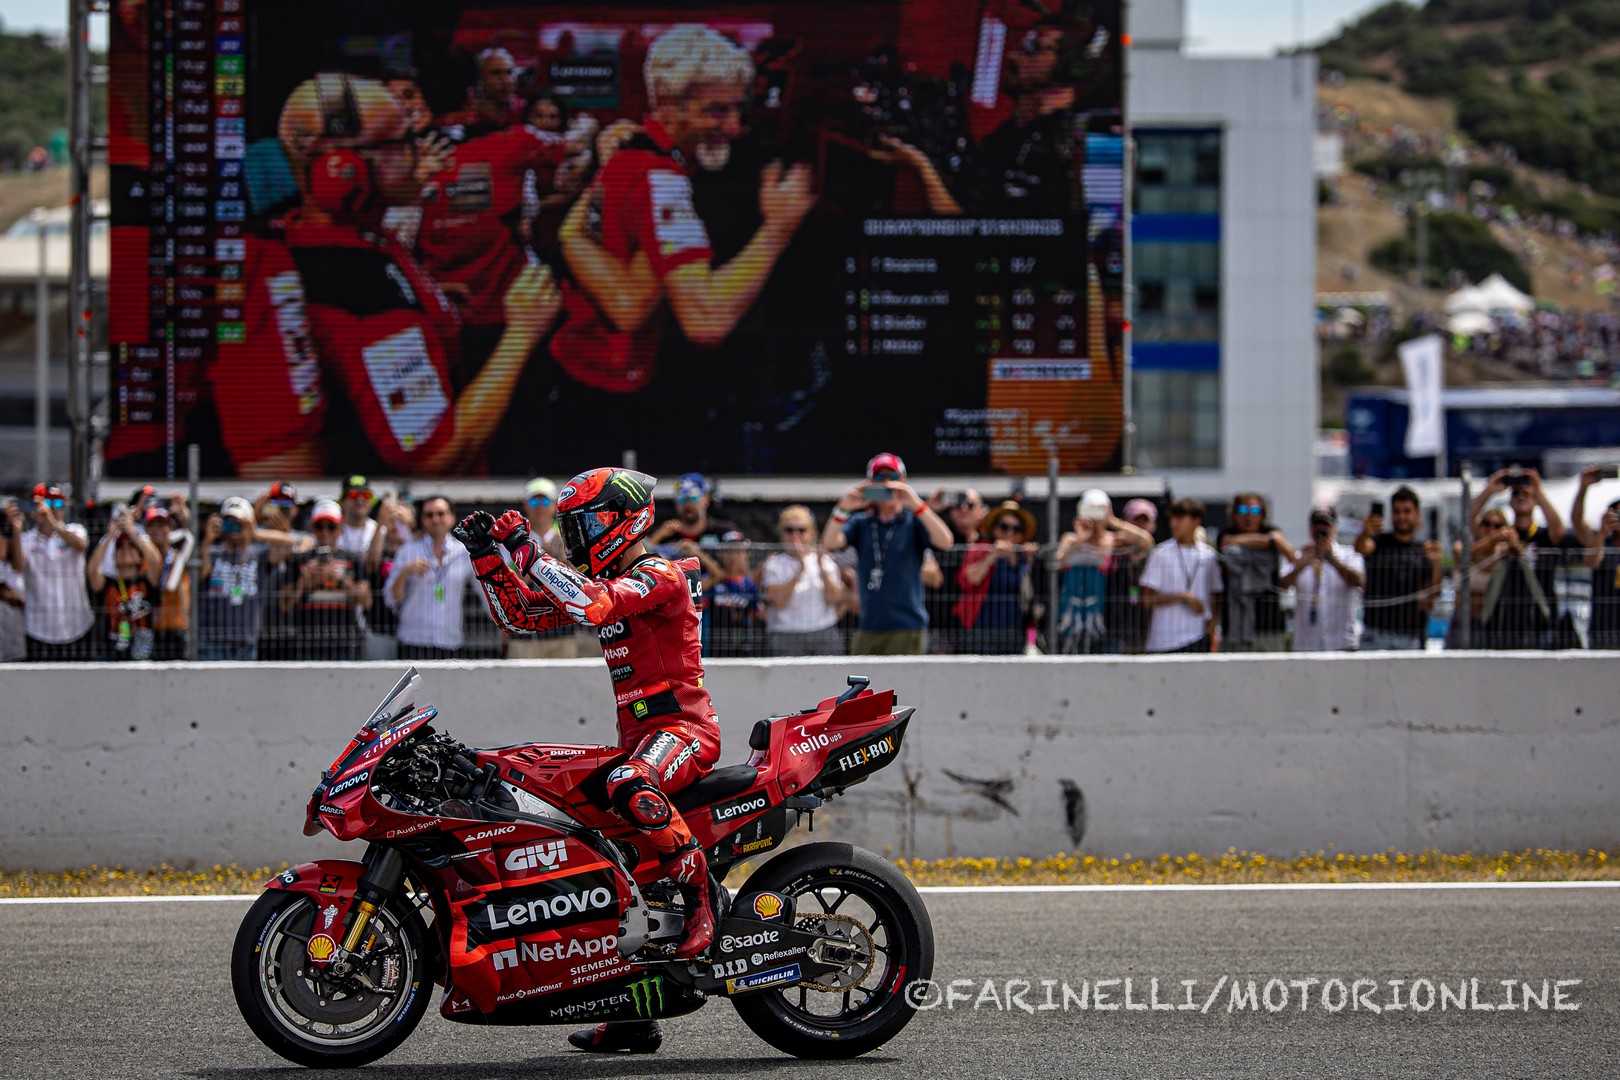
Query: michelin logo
<point>763,978</point>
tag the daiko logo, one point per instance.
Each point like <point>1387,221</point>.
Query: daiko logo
<point>549,854</point>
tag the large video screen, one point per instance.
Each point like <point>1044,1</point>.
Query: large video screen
<point>484,238</point>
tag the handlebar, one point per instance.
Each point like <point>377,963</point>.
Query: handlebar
<point>857,683</point>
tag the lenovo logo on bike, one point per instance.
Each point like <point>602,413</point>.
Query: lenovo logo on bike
<point>753,804</point>
<point>534,856</point>
<point>865,755</point>
<point>544,905</point>
<point>347,785</point>
<point>541,910</point>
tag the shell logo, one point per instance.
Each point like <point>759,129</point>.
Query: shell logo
<point>322,948</point>
<point>767,905</point>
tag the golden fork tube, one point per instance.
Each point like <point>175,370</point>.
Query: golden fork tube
<point>352,940</point>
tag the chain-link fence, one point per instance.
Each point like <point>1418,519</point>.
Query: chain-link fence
<point>83,596</point>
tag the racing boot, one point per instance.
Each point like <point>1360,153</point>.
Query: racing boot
<point>688,868</point>
<point>633,1036</point>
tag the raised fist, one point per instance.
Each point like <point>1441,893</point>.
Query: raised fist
<point>511,529</point>
<point>474,531</point>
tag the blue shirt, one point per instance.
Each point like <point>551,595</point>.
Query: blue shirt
<point>897,549</point>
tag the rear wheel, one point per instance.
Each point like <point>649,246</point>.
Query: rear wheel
<point>307,1016</point>
<point>841,891</point>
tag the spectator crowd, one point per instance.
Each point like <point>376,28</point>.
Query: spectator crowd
<point>884,571</point>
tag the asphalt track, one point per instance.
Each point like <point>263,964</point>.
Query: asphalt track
<point>111,990</point>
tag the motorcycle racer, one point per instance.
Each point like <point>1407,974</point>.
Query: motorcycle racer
<point>644,608</point>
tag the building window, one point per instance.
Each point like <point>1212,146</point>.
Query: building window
<point>1176,322</point>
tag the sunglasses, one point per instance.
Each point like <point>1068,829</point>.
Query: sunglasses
<point>789,530</point>
<point>54,504</point>
<point>685,499</point>
<point>1250,511</point>
<point>1008,526</point>
<point>323,526</point>
<point>539,500</point>
<point>885,474</point>
<point>360,496</point>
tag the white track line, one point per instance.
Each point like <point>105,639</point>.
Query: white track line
<point>1325,886</point>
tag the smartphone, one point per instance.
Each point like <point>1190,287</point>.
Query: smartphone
<point>876,493</point>
<point>1434,523</point>
<point>1375,508</point>
<point>1611,473</point>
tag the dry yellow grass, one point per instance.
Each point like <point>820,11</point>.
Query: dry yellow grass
<point>1234,867</point>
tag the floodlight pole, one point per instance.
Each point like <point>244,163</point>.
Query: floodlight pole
<point>80,322</point>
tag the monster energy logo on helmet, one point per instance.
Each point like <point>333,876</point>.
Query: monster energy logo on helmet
<point>643,993</point>
<point>628,484</point>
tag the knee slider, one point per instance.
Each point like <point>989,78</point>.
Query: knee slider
<point>641,804</point>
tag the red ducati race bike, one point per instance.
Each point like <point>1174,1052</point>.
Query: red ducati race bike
<point>504,876</point>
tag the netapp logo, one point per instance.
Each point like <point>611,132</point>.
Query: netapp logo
<point>752,804</point>
<point>348,785</point>
<point>534,856</point>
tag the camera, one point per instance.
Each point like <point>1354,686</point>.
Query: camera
<point>1375,508</point>
<point>1515,478</point>
<point>323,554</point>
<point>1611,473</point>
<point>230,525</point>
<point>1320,532</point>
<point>876,493</point>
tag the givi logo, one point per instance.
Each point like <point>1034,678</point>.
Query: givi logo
<point>549,854</point>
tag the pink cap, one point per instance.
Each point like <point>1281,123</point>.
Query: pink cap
<point>1141,508</point>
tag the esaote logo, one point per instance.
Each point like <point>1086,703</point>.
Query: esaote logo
<point>548,854</point>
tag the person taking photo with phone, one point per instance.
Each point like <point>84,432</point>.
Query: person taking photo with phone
<point>892,530</point>
<point>1602,555</point>
<point>1325,579</point>
<point>51,558</point>
<point>1403,575</point>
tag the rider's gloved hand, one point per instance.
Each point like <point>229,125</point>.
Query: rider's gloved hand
<point>474,532</point>
<point>512,530</point>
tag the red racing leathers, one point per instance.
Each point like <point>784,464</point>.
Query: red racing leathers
<point>648,624</point>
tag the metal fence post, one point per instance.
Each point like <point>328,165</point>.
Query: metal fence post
<point>1053,531</point>
<point>1462,589</point>
<point>194,564</point>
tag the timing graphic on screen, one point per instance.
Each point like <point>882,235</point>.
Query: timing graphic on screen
<point>500,239</point>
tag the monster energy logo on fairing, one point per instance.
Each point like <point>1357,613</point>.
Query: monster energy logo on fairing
<point>642,992</point>
<point>629,486</point>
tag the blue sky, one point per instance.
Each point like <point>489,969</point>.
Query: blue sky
<point>1214,27</point>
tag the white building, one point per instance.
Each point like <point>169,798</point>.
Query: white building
<point>1224,266</point>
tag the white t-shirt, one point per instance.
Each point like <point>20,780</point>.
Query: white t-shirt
<point>807,609</point>
<point>1334,628</point>
<point>1172,568</point>
<point>357,539</point>
<point>58,609</point>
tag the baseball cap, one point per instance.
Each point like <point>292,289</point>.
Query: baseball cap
<point>356,484</point>
<point>692,484</point>
<point>48,491</point>
<point>145,491</point>
<point>326,510</point>
<point>540,487</point>
<point>156,513</point>
<point>885,461</point>
<point>1324,515</point>
<point>1094,505</point>
<point>733,536</point>
<point>283,493</point>
<point>236,507</point>
<point>1141,508</point>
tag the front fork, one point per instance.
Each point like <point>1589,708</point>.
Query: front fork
<point>384,873</point>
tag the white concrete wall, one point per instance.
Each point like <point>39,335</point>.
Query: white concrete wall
<point>137,764</point>
<point>1266,111</point>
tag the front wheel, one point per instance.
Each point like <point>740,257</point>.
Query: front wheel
<point>843,891</point>
<point>305,1015</point>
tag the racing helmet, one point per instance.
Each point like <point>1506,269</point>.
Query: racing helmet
<point>600,513</point>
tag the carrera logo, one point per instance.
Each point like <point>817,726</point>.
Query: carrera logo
<point>730,943</point>
<point>548,854</point>
<point>615,631</point>
<point>348,785</point>
<point>866,754</point>
<point>327,808</point>
<point>488,834</point>
<point>751,805</point>
<point>542,909</point>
